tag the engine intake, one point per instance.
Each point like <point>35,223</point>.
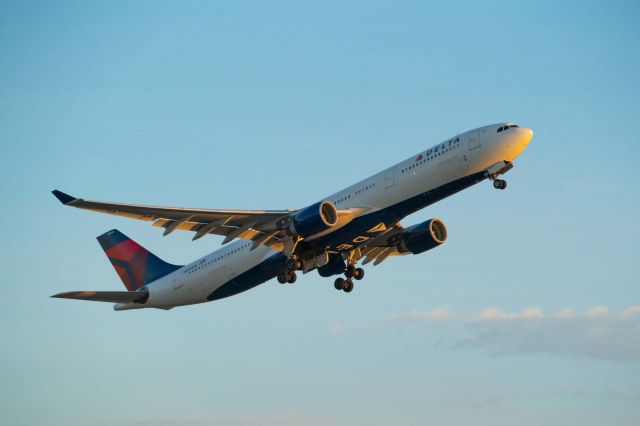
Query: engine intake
<point>424,236</point>
<point>314,219</point>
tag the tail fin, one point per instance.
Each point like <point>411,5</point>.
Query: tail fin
<point>134,264</point>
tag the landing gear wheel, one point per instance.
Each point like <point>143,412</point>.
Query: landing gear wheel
<point>350,272</point>
<point>339,283</point>
<point>499,184</point>
<point>348,286</point>
<point>292,277</point>
<point>282,278</point>
<point>294,264</point>
<point>358,274</point>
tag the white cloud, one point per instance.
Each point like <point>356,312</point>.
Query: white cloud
<point>594,333</point>
<point>566,313</point>
<point>611,340</point>
<point>440,313</point>
<point>492,313</point>
<point>596,312</point>
<point>336,327</point>
<point>496,313</point>
<point>531,313</point>
<point>630,312</point>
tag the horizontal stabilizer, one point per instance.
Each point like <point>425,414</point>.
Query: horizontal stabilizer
<point>105,296</point>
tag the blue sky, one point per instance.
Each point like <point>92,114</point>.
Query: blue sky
<point>528,315</point>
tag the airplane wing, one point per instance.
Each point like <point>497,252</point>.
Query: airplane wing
<point>260,226</point>
<point>383,245</point>
<point>105,296</point>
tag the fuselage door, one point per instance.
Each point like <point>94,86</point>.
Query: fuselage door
<point>389,178</point>
<point>474,140</point>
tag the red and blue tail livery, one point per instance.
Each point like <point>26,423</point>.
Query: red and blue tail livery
<point>135,265</point>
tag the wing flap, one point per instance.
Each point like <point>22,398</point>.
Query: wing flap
<point>105,296</point>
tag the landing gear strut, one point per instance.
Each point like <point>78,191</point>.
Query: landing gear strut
<point>353,272</point>
<point>499,184</point>
<point>294,263</point>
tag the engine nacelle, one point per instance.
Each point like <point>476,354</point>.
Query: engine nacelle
<point>424,236</point>
<point>314,219</point>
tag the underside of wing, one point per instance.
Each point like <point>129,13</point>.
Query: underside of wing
<point>260,226</point>
<point>105,296</point>
<point>382,246</point>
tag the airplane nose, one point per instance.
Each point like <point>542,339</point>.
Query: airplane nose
<point>515,142</point>
<point>523,137</point>
<point>526,135</point>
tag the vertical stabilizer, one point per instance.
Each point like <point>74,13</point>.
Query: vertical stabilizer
<point>135,265</point>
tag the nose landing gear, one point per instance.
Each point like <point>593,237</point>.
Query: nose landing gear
<point>496,170</point>
<point>499,184</point>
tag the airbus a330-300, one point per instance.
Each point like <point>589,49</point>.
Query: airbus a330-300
<point>358,225</point>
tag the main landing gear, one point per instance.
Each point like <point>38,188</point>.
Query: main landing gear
<point>294,264</point>
<point>289,276</point>
<point>499,184</point>
<point>351,273</point>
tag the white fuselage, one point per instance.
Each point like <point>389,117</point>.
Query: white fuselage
<point>479,150</point>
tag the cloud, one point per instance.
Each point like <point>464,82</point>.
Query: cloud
<point>495,313</point>
<point>440,313</point>
<point>336,328</point>
<point>566,313</point>
<point>595,333</point>
<point>596,312</point>
<point>629,313</point>
<point>265,419</point>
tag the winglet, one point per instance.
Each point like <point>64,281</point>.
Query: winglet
<point>64,198</point>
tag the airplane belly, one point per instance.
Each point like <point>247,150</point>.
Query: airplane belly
<point>265,269</point>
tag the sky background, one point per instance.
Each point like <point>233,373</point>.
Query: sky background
<point>528,315</point>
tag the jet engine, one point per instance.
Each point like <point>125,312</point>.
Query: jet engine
<point>314,219</point>
<point>423,236</point>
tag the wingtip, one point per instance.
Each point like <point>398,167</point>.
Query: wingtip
<point>62,197</point>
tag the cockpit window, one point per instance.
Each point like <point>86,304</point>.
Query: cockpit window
<point>508,126</point>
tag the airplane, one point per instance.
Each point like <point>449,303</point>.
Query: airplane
<point>359,223</point>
